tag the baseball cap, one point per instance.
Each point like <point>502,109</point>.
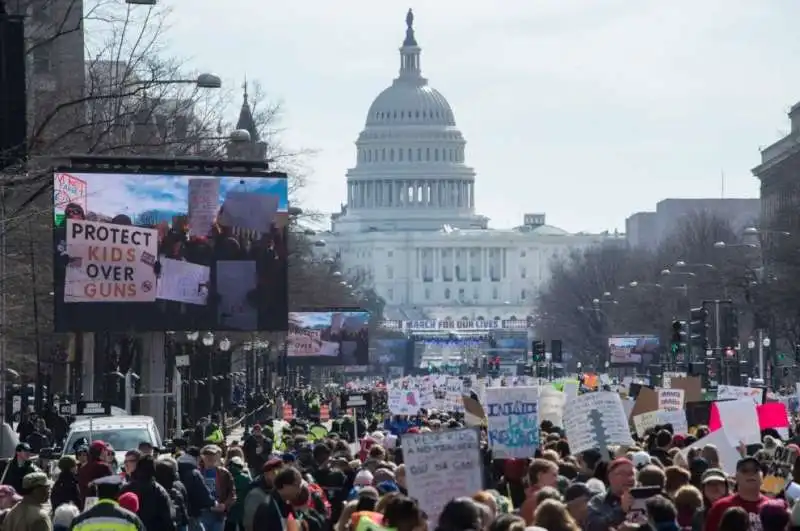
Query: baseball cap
<point>23,447</point>
<point>713,474</point>
<point>577,491</point>
<point>744,461</point>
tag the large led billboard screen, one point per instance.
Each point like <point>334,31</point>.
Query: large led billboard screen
<point>328,338</point>
<point>156,252</point>
<point>630,349</point>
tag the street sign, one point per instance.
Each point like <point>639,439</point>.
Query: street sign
<point>351,400</point>
<point>182,361</point>
<point>93,409</point>
<point>67,409</point>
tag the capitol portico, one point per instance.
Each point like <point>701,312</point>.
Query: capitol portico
<point>409,225</point>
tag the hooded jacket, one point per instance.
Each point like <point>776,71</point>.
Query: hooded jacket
<point>198,496</point>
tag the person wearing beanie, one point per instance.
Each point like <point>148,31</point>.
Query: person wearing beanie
<point>107,512</point>
<point>63,515</point>
<point>774,516</point>
<point>95,468</point>
<point>130,501</point>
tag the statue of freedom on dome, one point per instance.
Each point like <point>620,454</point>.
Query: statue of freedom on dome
<point>410,19</point>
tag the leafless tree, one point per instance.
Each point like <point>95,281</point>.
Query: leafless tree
<point>122,94</point>
<point>605,290</point>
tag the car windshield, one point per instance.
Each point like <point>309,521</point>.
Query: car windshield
<point>120,439</point>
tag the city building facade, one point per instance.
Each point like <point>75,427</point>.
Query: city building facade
<point>778,173</point>
<point>647,230</point>
<point>409,226</point>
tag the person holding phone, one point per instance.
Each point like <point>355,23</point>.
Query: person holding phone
<point>610,509</point>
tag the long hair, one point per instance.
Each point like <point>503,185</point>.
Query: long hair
<point>553,516</point>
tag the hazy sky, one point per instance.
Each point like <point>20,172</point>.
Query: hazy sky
<point>587,110</point>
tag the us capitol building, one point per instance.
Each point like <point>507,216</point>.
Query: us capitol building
<point>410,227</point>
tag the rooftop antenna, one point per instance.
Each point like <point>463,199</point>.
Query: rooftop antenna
<point>722,183</point>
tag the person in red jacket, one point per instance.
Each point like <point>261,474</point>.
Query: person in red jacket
<point>749,476</point>
<point>95,468</point>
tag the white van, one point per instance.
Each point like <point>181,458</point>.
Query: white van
<point>123,433</point>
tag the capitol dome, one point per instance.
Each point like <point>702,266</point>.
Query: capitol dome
<point>410,171</point>
<point>410,100</point>
<point>409,103</point>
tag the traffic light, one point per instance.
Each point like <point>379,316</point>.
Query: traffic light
<point>538,351</point>
<point>729,327</point>
<point>698,329</point>
<point>555,351</point>
<point>677,343</point>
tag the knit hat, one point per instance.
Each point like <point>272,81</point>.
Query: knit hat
<point>130,501</point>
<point>363,478</point>
<point>773,515</point>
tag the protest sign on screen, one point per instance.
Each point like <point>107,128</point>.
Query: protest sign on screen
<point>153,251</point>
<point>329,337</point>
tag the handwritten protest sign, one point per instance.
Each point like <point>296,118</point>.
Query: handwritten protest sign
<point>441,466</point>
<point>454,389</point>
<point>735,392</point>
<point>68,189</point>
<point>110,263</point>
<point>596,420</point>
<point>779,470</point>
<point>513,419</point>
<point>670,399</point>
<point>403,401</point>
<point>203,205</point>
<point>183,282</point>
<point>677,418</point>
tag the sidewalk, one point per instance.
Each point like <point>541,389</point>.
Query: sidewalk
<point>237,434</point>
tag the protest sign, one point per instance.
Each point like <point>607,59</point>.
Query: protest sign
<point>513,421</point>
<point>185,282</point>
<point>203,205</point>
<point>740,420</point>
<point>249,211</point>
<point>670,399</point>
<point>403,401</point>
<point>735,392</point>
<point>551,406</point>
<point>441,466</point>
<point>68,189</point>
<point>235,280</point>
<point>454,389</point>
<point>596,420</point>
<point>677,418</point>
<point>779,470</point>
<point>727,452</point>
<point>110,263</point>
